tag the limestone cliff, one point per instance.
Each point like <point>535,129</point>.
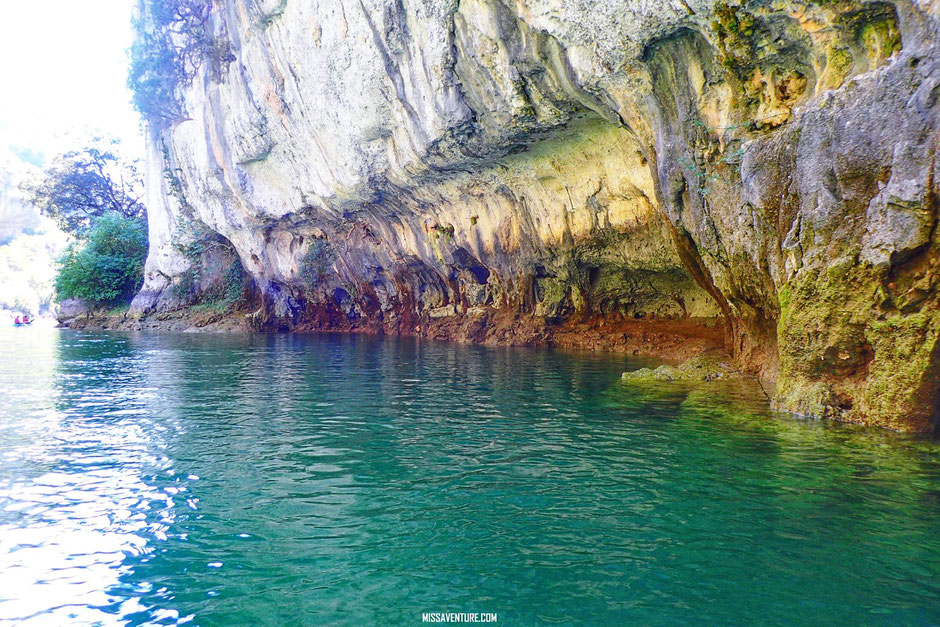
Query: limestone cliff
<point>506,170</point>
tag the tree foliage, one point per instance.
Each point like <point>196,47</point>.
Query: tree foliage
<point>107,266</point>
<point>83,185</point>
<point>174,40</point>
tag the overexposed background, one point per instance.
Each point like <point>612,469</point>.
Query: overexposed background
<point>63,77</point>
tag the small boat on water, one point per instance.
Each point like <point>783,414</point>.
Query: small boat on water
<point>22,321</point>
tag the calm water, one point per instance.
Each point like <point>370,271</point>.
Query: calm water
<point>225,480</point>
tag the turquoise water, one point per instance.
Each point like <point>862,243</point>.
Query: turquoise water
<point>223,480</point>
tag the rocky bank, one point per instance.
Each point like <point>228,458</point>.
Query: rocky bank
<point>627,173</point>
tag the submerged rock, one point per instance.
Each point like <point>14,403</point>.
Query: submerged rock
<point>698,369</point>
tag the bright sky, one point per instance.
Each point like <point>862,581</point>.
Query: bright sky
<point>63,73</point>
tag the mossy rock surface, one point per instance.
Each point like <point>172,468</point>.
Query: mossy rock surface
<point>698,369</point>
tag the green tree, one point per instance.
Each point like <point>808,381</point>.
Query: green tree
<point>107,265</point>
<point>83,185</point>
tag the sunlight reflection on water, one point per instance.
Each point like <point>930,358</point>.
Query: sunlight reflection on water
<point>73,500</point>
<point>308,479</point>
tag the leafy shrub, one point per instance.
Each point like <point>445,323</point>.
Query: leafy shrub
<point>234,282</point>
<point>107,266</point>
<point>187,285</point>
<point>316,262</point>
<point>215,276</point>
<point>226,288</point>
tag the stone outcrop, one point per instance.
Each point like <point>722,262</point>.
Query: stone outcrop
<point>700,369</point>
<point>760,173</point>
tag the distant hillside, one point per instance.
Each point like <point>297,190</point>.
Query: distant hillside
<point>16,216</point>
<point>30,244</point>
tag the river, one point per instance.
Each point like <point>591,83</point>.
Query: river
<point>316,479</point>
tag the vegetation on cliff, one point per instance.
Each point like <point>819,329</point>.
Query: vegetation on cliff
<point>174,40</point>
<point>105,265</point>
<point>215,277</point>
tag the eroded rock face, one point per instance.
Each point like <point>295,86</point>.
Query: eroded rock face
<point>769,167</point>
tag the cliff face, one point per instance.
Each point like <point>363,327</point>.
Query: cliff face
<point>514,170</point>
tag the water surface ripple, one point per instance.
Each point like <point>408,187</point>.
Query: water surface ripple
<point>168,479</point>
